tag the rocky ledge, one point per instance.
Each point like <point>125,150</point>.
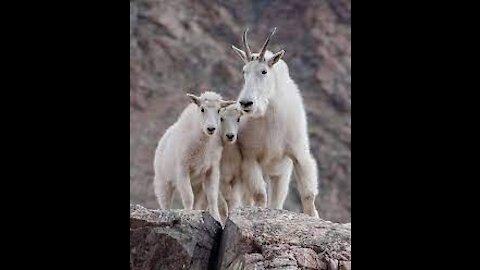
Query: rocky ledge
<point>253,238</point>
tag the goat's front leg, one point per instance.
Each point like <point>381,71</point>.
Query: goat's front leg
<point>185,189</point>
<point>235,195</point>
<point>279,184</point>
<point>252,174</point>
<point>211,189</point>
<point>200,200</point>
<point>223,197</point>
<point>222,206</point>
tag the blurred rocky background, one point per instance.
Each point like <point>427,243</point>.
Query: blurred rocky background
<point>184,46</point>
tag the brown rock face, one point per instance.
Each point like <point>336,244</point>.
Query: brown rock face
<point>253,238</point>
<point>182,46</point>
<point>257,238</point>
<point>172,239</point>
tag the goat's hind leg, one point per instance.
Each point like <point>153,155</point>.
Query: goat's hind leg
<point>163,191</point>
<point>305,169</point>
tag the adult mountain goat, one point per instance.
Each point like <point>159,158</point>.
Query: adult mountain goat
<point>275,133</point>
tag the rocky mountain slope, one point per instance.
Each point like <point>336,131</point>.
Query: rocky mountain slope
<point>182,46</point>
<point>253,238</point>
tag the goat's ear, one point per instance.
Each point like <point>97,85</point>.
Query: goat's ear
<point>194,99</point>
<point>240,53</point>
<point>224,103</point>
<point>274,59</point>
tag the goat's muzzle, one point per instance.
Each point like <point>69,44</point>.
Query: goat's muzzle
<point>246,104</point>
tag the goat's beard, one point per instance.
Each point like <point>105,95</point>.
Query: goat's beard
<point>260,108</point>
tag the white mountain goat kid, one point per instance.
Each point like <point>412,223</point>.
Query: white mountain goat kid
<point>233,192</point>
<point>188,154</point>
<point>275,132</point>
<point>231,184</point>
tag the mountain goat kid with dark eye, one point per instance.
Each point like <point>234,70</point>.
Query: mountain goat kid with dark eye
<point>188,154</point>
<point>232,187</point>
<point>233,191</point>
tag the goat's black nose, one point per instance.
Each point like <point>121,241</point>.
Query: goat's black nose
<point>246,104</point>
<point>211,129</point>
<point>230,136</point>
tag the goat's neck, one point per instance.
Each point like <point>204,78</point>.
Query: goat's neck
<point>279,94</point>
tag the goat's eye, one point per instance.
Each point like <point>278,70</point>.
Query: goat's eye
<point>221,119</point>
<point>218,110</point>
<point>264,72</point>
<point>203,110</point>
<point>238,119</point>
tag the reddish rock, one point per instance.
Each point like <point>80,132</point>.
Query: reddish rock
<point>256,238</point>
<point>180,46</point>
<point>172,239</point>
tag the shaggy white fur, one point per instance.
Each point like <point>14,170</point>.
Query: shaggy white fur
<point>188,155</point>
<point>233,192</point>
<point>274,136</point>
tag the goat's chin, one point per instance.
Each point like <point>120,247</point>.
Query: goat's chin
<point>206,132</point>
<point>226,141</point>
